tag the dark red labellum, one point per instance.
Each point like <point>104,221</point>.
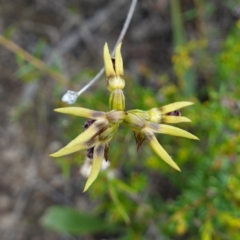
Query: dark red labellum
<point>174,113</point>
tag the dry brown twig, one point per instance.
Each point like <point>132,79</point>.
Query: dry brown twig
<point>40,65</point>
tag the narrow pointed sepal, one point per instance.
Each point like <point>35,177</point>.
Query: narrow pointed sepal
<point>75,148</point>
<point>170,130</point>
<point>109,69</point>
<point>139,137</point>
<point>96,166</point>
<point>174,106</point>
<point>174,119</point>
<point>158,149</point>
<point>84,140</point>
<point>118,61</point>
<point>81,112</point>
<point>95,129</point>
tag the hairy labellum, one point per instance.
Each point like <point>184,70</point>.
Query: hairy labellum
<point>174,113</point>
<point>86,125</point>
<point>106,149</point>
<point>90,153</point>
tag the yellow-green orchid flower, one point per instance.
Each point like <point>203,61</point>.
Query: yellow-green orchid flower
<point>101,126</point>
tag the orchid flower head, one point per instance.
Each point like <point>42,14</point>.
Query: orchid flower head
<point>101,127</point>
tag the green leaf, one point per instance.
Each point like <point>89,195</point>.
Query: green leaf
<point>119,206</point>
<point>39,49</point>
<point>123,187</point>
<point>57,63</point>
<point>71,221</point>
<point>8,33</point>
<point>24,70</point>
<point>177,23</point>
<point>27,72</point>
<point>20,60</point>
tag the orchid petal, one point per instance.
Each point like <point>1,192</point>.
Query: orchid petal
<point>170,130</point>
<point>118,61</point>
<point>109,70</point>
<point>84,140</point>
<point>75,148</point>
<point>96,128</point>
<point>158,149</point>
<point>175,119</point>
<point>96,166</point>
<point>82,112</point>
<point>174,106</point>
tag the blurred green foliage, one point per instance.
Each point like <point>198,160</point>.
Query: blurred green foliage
<point>26,71</point>
<point>71,221</point>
